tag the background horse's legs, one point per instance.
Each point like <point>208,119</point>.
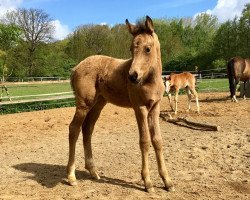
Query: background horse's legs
<point>154,127</point>
<point>87,130</point>
<point>236,82</point>
<point>74,130</point>
<point>244,90</point>
<point>142,121</point>
<point>189,97</point>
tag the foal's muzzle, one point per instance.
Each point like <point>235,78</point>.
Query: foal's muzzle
<point>133,77</point>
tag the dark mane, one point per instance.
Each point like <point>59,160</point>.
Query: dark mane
<point>141,28</point>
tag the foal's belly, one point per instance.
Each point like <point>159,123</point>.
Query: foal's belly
<point>117,99</point>
<point>115,94</point>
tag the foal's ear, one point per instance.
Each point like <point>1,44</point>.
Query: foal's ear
<point>149,24</point>
<point>131,27</point>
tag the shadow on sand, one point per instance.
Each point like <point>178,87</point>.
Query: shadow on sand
<point>50,175</point>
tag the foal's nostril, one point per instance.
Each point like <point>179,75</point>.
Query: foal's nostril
<point>133,77</point>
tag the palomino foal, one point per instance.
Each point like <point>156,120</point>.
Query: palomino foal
<point>175,82</point>
<point>134,83</point>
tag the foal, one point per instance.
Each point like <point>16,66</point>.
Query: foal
<point>175,82</point>
<point>134,83</point>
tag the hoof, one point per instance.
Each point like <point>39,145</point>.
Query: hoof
<point>170,189</point>
<point>150,190</point>
<point>72,181</point>
<point>95,176</point>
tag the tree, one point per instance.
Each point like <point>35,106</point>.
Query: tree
<point>233,38</point>
<point>244,30</point>
<point>9,37</point>
<point>36,27</point>
<point>90,40</point>
<point>204,31</point>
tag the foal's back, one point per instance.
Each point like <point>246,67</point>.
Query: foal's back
<point>183,80</point>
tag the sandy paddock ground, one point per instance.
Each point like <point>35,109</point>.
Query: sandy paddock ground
<point>207,165</point>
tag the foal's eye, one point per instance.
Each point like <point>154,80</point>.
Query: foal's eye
<point>147,49</point>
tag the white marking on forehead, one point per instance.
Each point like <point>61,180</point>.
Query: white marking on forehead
<point>167,86</point>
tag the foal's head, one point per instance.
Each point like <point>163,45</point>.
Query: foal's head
<point>145,49</point>
<point>167,83</point>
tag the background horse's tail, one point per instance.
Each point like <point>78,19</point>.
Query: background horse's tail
<point>231,75</point>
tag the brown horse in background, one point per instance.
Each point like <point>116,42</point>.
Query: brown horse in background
<point>134,83</point>
<point>175,82</point>
<point>238,69</point>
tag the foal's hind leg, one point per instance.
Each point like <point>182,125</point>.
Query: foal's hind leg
<point>87,130</point>
<point>74,130</point>
<point>154,127</point>
<point>196,98</point>
<point>189,98</point>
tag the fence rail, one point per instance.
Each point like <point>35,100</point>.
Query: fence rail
<point>33,79</point>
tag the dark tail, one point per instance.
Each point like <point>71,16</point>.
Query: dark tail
<point>231,75</point>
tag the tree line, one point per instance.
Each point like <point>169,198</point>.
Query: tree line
<point>27,47</point>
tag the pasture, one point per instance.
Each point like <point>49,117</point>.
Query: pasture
<point>33,90</point>
<point>202,164</point>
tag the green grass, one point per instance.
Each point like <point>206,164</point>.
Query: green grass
<point>212,85</point>
<point>34,89</point>
<point>22,90</point>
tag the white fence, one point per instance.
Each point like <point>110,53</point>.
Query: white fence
<point>32,79</point>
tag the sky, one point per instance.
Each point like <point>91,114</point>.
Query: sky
<point>68,15</point>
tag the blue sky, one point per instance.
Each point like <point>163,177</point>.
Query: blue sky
<point>76,12</point>
<point>68,14</point>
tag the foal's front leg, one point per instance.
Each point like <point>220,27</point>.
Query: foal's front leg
<point>170,101</point>
<point>176,100</point>
<point>154,127</point>
<point>141,117</point>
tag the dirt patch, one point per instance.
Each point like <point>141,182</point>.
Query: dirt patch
<point>202,164</point>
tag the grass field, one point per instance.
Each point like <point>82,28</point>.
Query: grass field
<point>33,91</point>
<point>213,85</point>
